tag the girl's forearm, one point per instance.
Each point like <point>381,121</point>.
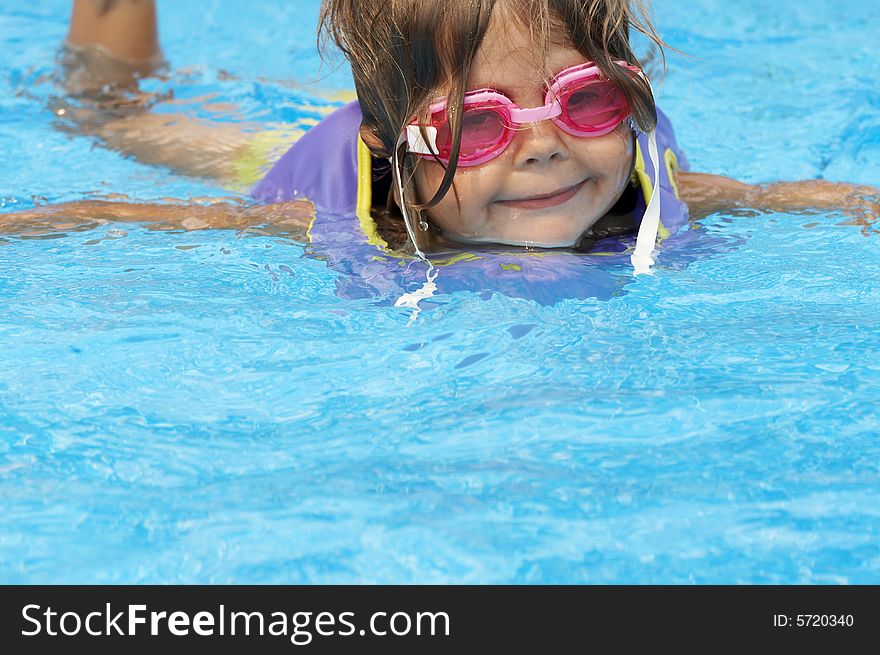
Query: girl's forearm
<point>706,194</point>
<point>290,219</point>
<point>126,29</point>
<point>812,194</point>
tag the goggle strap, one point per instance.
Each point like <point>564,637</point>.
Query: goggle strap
<point>647,237</point>
<point>396,166</point>
<point>411,299</point>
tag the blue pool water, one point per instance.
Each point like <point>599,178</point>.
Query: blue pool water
<point>206,406</point>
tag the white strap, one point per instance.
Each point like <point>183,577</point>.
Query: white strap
<point>398,181</point>
<point>647,238</point>
<point>411,299</point>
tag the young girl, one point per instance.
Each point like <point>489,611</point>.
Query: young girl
<point>525,123</point>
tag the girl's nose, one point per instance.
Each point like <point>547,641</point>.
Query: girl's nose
<point>539,143</point>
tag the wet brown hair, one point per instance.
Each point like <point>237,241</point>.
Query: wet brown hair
<point>402,52</point>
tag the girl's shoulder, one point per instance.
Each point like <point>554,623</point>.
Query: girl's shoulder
<point>301,172</point>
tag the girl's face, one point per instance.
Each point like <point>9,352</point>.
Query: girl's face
<point>547,188</point>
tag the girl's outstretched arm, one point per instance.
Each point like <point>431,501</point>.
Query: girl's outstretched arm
<point>706,194</point>
<point>111,44</point>
<point>287,219</point>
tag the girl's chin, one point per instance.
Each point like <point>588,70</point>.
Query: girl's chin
<point>564,236</point>
<point>523,241</point>
<point>530,230</point>
<point>544,230</point>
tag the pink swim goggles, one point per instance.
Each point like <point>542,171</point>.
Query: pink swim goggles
<point>580,100</point>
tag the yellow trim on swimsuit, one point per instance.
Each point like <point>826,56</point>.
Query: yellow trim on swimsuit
<point>254,160</point>
<point>672,168</point>
<point>365,196</point>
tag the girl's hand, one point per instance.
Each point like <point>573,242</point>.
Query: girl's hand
<point>865,211</point>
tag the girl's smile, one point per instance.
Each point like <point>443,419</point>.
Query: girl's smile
<point>543,201</point>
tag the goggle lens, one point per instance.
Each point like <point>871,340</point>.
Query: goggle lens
<point>482,131</point>
<point>594,106</point>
